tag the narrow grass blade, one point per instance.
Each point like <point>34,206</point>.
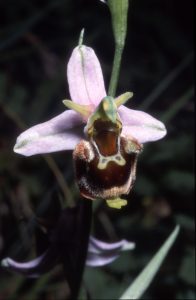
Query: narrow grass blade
<point>141,283</point>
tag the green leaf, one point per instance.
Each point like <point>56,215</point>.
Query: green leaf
<point>141,283</point>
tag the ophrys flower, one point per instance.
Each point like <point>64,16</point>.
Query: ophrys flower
<point>105,135</point>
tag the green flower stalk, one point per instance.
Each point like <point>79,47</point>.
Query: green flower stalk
<point>119,12</point>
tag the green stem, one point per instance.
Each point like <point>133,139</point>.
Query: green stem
<point>119,13</point>
<point>115,69</point>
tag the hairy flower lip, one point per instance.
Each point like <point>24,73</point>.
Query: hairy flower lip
<point>86,86</point>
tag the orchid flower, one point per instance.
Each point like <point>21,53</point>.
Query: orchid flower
<point>105,135</point>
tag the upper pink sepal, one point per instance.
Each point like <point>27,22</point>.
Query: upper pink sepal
<point>85,78</point>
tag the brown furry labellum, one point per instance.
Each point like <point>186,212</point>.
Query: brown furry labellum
<point>105,166</point>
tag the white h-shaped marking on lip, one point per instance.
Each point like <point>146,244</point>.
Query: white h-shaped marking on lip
<point>104,160</point>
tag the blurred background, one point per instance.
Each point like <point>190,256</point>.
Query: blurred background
<point>36,40</point>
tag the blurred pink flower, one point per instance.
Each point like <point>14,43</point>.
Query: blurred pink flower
<point>62,244</point>
<point>99,254</point>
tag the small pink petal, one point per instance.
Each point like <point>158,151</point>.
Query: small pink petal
<point>35,267</point>
<point>85,78</point>
<point>141,125</point>
<point>101,253</point>
<point>97,246</point>
<point>60,133</point>
<point>96,260</point>
<point>28,268</point>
